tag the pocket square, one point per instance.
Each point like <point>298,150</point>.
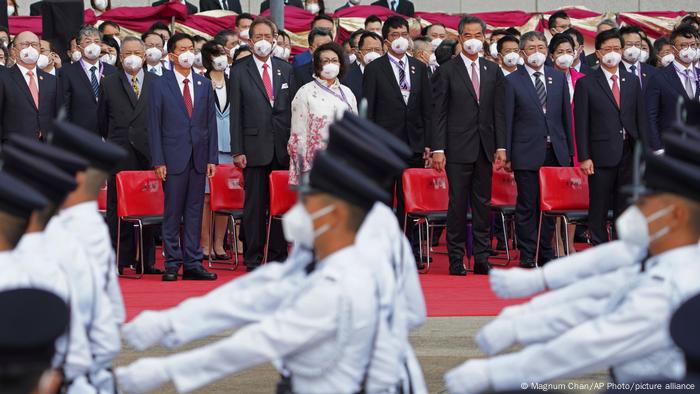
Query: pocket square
<point>284,86</point>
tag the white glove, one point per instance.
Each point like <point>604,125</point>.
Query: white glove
<point>516,282</point>
<point>142,376</point>
<point>496,336</point>
<point>147,329</point>
<point>470,377</point>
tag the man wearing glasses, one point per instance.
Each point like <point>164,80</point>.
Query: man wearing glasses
<point>29,97</point>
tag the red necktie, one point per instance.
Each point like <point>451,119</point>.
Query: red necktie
<point>616,90</point>
<point>33,88</point>
<point>187,97</point>
<point>267,82</point>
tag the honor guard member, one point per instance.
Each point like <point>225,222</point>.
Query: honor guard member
<point>630,333</point>
<point>324,334</point>
<point>32,321</point>
<point>85,275</point>
<point>685,325</point>
<point>72,357</point>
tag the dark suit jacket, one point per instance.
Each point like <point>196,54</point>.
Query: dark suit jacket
<point>123,117</point>
<point>646,72</point>
<point>585,69</point>
<point>294,3</point>
<point>35,9</point>
<point>599,122</point>
<point>191,8</point>
<point>233,5</point>
<point>258,130</point>
<point>386,107</point>
<point>353,79</point>
<point>174,137</point>
<point>661,97</point>
<point>405,7</point>
<point>19,114</point>
<point>80,101</point>
<point>303,74</point>
<point>592,60</point>
<point>462,125</point>
<point>527,125</point>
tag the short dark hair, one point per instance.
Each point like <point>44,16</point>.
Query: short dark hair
<point>393,22</point>
<point>630,30</point>
<point>197,38</point>
<point>319,32</point>
<point>426,29</point>
<point>321,17</point>
<point>690,19</point>
<point>558,39</point>
<point>284,34</point>
<point>354,35</point>
<point>513,31</point>
<point>5,29</point>
<point>151,33</point>
<point>222,36</point>
<point>685,30</point>
<point>109,40</point>
<point>330,46</point>
<point>159,26</point>
<point>605,36</point>
<point>211,49</point>
<point>177,37</point>
<point>576,33</point>
<point>468,20</point>
<point>261,20</point>
<point>243,15</point>
<point>366,35</point>
<point>504,39</point>
<point>445,51</point>
<point>658,44</point>
<point>499,32</point>
<point>552,21</point>
<point>106,23</point>
<point>372,19</point>
<point>240,50</point>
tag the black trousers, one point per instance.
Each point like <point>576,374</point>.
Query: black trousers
<point>469,182</point>
<point>135,161</point>
<point>416,161</point>
<point>527,212</point>
<point>255,207</point>
<point>604,190</point>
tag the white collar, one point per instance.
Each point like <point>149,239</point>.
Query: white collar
<point>628,65</point>
<point>25,70</point>
<point>681,67</point>
<point>180,78</point>
<point>468,62</point>
<point>83,210</point>
<point>158,66</point>
<point>259,63</point>
<point>403,59</point>
<point>531,70</point>
<point>609,75</point>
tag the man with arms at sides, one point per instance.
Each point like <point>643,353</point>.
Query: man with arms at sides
<point>304,73</point>
<point>226,5</point>
<point>399,99</point>
<point>508,48</point>
<point>538,133</point>
<point>369,48</point>
<point>631,53</point>
<point>81,80</point>
<point>261,96</point>
<point>609,117</point>
<point>122,119</point>
<point>29,98</point>
<point>183,142</point>
<point>319,22</point>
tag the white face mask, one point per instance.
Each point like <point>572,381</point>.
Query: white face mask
<point>633,227</point>
<point>29,55</point>
<point>668,59</point>
<point>278,52</point>
<point>92,51</point>
<point>109,59</point>
<point>400,45</point>
<point>244,34</point>
<point>611,59</point>
<point>632,54</point>
<point>537,59</point>
<point>370,56</point>
<point>565,60</point>
<point>493,50</point>
<point>101,5</point>
<point>352,58</point>
<point>233,51</point>
<point>220,63</point>
<point>432,61</point>
<point>436,42</point>
<point>186,59</point>
<point>76,56</point>
<point>198,59</point>
<point>473,46</point>
<point>10,10</point>
<point>132,62</point>
<point>687,55</point>
<point>298,225</point>
<point>262,48</point>
<point>511,59</point>
<point>42,62</point>
<point>521,61</point>
<point>153,54</point>
<point>643,56</point>
<point>313,8</point>
<point>330,71</point>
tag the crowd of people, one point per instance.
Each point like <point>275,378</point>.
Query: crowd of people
<point>335,315</point>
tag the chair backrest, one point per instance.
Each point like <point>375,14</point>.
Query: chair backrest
<point>281,196</point>
<point>425,190</point>
<point>563,189</point>
<point>139,193</point>
<point>226,188</point>
<point>102,199</point>
<point>504,191</point>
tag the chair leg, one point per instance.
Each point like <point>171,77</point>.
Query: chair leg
<point>212,219</point>
<point>234,242</point>
<point>119,233</point>
<point>267,239</point>
<point>566,234</point>
<point>557,238</point>
<point>405,223</point>
<point>429,241</point>
<point>537,248</point>
<point>505,235</point>
<point>420,239</point>
<point>141,255</point>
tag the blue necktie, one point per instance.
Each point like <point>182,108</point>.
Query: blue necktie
<point>93,81</point>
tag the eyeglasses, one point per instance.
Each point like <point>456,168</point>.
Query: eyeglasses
<point>88,41</point>
<point>610,49</point>
<point>686,46</point>
<point>27,44</point>
<point>368,50</point>
<point>396,34</point>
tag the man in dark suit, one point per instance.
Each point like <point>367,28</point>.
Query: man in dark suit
<point>320,21</point>
<point>609,117</point>
<point>261,95</point>
<point>191,8</point>
<point>304,73</point>
<point>580,63</point>
<point>538,133</point>
<point>81,80</point>
<point>631,51</point>
<point>228,5</point>
<point>369,48</point>
<point>29,98</point>
<point>294,3</point>
<point>667,85</point>
<point>399,99</point>
<point>403,7</point>
<point>605,24</point>
<point>469,127</point>
<point>348,4</point>
<point>183,143</point>
<point>122,120</point>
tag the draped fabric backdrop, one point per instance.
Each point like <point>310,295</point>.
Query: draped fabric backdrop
<point>135,20</point>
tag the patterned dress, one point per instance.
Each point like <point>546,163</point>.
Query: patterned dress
<point>313,110</point>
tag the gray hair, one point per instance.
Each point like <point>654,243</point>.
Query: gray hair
<point>532,36</point>
<point>87,31</point>
<point>133,39</point>
<point>468,20</point>
<point>607,22</point>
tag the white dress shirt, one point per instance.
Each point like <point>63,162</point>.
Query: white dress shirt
<point>26,77</point>
<point>395,68</point>
<point>531,72</point>
<point>181,84</point>
<point>468,64</point>
<point>505,72</point>
<point>87,66</point>
<point>140,76</point>
<point>637,71</point>
<point>680,70</point>
<point>608,77</point>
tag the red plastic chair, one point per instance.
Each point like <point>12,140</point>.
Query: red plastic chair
<point>564,194</point>
<point>140,201</point>
<point>504,194</point>
<point>102,200</point>
<point>282,198</point>
<point>226,196</point>
<point>426,196</point>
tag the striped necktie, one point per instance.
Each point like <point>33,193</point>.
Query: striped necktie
<point>93,81</point>
<point>539,87</point>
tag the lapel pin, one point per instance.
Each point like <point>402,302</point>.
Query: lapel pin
<point>199,82</point>
<point>485,67</point>
<point>644,75</point>
<point>41,78</point>
<point>279,73</point>
<point>623,80</point>
<point>550,81</point>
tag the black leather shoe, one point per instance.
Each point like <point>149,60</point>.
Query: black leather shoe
<point>481,266</point>
<point>170,276</point>
<point>545,259</point>
<point>221,257</point>
<point>198,274</point>
<point>423,258</point>
<point>457,269</point>
<point>149,270</point>
<point>527,263</point>
<point>420,266</point>
<point>251,268</point>
<point>501,246</point>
